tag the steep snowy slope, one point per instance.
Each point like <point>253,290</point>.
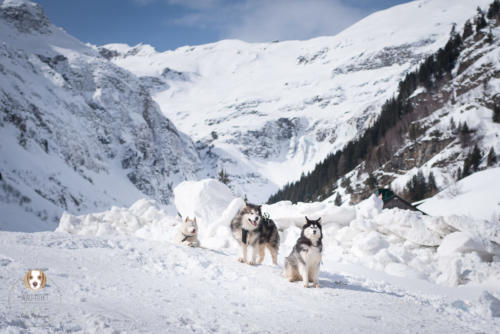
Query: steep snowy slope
<point>476,196</point>
<point>434,138</point>
<point>77,133</point>
<point>271,111</point>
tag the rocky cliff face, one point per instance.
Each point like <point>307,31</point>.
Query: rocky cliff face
<point>78,133</point>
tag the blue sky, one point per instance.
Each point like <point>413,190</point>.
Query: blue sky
<point>168,24</point>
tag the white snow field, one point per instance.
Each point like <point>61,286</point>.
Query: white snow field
<point>476,196</point>
<point>383,271</point>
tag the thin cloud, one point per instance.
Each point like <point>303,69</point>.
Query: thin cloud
<point>264,20</point>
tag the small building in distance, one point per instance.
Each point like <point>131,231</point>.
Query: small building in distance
<point>391,200</point>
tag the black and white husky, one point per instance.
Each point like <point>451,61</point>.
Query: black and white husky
<point>250,228</point>
<point>305,258</point>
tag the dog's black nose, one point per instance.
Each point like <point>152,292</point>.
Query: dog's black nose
<point>314,231</point>
<point>35,284</point>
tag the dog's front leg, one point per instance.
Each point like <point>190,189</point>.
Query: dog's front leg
<point>254,255</point>
<point>304,273</point>
<point>316,276</point>
<point>243,257</point>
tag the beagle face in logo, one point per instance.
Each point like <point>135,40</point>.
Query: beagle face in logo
<point>35,279</point>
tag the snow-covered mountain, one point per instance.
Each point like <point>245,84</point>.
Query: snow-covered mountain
<point>271,111</point>
<point>77,132</point>
<point>448,124</point>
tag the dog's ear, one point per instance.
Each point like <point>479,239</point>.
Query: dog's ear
<point>194,219</point>
<point>26,279</point>
<point>44,280</point>
<point>186,219</point>
<point>307,219</point>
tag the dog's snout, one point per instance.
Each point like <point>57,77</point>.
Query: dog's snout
<point>314,231</point>
<point>35,284</point>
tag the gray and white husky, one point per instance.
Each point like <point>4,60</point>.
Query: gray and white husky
<point>250,228</point>
<point>187,234</point>
<point>305,258</point>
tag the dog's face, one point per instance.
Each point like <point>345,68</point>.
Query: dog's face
<point>190,227</point>
<point>312,229</point>
<point>252,215</point>
<point>35,279</point>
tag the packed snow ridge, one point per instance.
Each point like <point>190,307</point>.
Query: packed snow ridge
<point>450,250</point>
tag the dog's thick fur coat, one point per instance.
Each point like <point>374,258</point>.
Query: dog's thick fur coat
<point>304,260</point>
<point>250,228</point>
<point>187,234</point>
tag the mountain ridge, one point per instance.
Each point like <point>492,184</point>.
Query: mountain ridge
<point>235,96</point>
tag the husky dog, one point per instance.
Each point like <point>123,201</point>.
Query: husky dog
<point>187,234</point>
<point>250,228</point>
<point>304,260</point>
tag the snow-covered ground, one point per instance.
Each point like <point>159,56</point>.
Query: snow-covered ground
<point>476,196</point>
<point>384,271</point>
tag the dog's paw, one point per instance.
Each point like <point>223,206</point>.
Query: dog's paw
<point>316,285</point>
<point>252,263</point>
<point>306,285</point>
<point>242,260</point>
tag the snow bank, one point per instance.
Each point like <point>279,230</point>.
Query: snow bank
<point>451,250</point>
<point>206,199</point>
<point>144,219</point>
<point>286,214</point>
<point>476,196</point>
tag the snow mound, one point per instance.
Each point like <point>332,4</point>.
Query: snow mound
<point>286,214</point>
<point>476,196</point>
<point>450,250</point>
<point>144,219</point>
<point>206,199</point>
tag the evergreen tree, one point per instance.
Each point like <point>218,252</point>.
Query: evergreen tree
<point>489,37</point>
<point>475,157</point>
<point>467,30</point>
<point>496,113</point>
<point>494,10</point>
<point>492,157</point>
<point>465,134</point>
<point>453,126</point>
<point>338,200</point>
<point>223,177</point>
<point>417,187</point>
<point>480,20</point>
<point>371,181</point>
<point>466,170</point>
<point>431,184</point>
